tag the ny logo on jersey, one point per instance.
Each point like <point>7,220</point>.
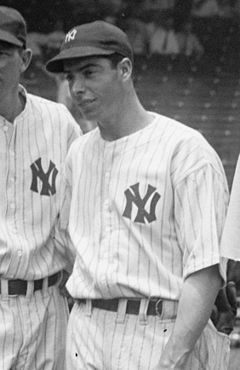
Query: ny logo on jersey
<point>48,179</point>
<point>133,197</point>
<point>70,35</point>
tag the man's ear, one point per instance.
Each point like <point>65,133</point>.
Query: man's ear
<point>125,68</point>
<point>26,56</point>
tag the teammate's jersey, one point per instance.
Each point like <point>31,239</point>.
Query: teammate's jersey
<point>32,151</point>
<point>231,234</point>
<point>147,210</point>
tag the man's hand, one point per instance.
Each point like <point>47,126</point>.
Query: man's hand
<point>63,289</point>
<point>194,309</point>
<point>62,283</point>
<point>166,363</point>
<point>225,309</point>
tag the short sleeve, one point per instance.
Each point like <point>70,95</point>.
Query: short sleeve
<point>201,201</point>
<point>73,127</point>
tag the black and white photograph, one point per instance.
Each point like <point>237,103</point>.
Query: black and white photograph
<point>119,184</point>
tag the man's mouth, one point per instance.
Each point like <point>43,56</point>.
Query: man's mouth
<point>86,103</point>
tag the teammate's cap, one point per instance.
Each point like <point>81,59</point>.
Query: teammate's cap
<point>13,27</point>
<point>91,39</point>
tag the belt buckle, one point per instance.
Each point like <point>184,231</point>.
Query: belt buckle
<point>159,307</point>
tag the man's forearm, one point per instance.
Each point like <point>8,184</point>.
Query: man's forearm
<point>195,306</point>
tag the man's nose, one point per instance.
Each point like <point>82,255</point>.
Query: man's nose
<point>78,87</point>
<point>3,63</point>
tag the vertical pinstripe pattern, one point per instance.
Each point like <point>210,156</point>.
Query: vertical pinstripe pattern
<point>99,343</point>
<point>147,210</point>
<point>32,330</point>
<point>43,130</point>
<point>119,256</point>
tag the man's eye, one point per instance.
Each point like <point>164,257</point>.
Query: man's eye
<point>68,77</point>
<point>89,72</point>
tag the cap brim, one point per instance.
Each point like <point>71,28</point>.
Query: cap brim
<point>9,38</point>
<point>56,64</point>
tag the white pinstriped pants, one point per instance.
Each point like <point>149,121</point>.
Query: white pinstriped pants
<point>33,331</point>
<point>99,342</point>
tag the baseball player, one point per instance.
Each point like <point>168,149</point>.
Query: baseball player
<point>35,135</point>
<point>148,203</point>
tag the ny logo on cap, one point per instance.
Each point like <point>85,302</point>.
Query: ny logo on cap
<point>70,35</point>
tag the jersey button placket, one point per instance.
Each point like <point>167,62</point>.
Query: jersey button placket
<point>107,202</point>
<point>11,194</point>
<point>105,219</point>
<point>12,185</point>
<point>11,180</point>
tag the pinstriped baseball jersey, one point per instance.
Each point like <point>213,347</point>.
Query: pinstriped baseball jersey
<point>32,151</point>
<point>231,233</point>
<point>147,210</point>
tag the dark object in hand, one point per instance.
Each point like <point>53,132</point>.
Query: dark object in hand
<point>225,308</point>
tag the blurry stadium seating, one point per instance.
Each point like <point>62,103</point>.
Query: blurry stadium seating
<point>205,93</point>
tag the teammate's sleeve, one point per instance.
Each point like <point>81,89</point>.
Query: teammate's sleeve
<point>61,228</point>
<point>201,201</point>
<point>73,128</point>
<point>230,242</point>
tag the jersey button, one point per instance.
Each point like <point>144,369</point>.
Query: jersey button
<point>19,252</point>
<point>103,279</point>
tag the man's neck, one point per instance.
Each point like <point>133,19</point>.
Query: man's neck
<point>126,122</point>
<point>11,107</point>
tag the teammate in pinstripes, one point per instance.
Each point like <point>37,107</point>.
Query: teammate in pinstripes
<point>148,203</point>
<point>232,224</point>
<point>35,135</point>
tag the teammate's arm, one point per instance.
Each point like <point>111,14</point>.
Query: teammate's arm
<point>195,306</point>
<point>61,234</point>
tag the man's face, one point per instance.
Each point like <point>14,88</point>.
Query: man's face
<point>11,67</point>
<point>95,86</point>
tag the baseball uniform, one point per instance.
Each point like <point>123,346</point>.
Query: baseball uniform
<point>147,211</point>
<point>231,234</point>
<point>33,314</point>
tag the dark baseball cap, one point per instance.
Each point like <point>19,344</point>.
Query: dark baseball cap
<point>97,38</point>
<point>13,29</point>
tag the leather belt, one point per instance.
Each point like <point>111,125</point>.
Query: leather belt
<point>155,305</point>
<point>19,287</point>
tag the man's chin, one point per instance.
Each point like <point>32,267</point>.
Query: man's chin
<point>88,113</point>
<point>89,116</point>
